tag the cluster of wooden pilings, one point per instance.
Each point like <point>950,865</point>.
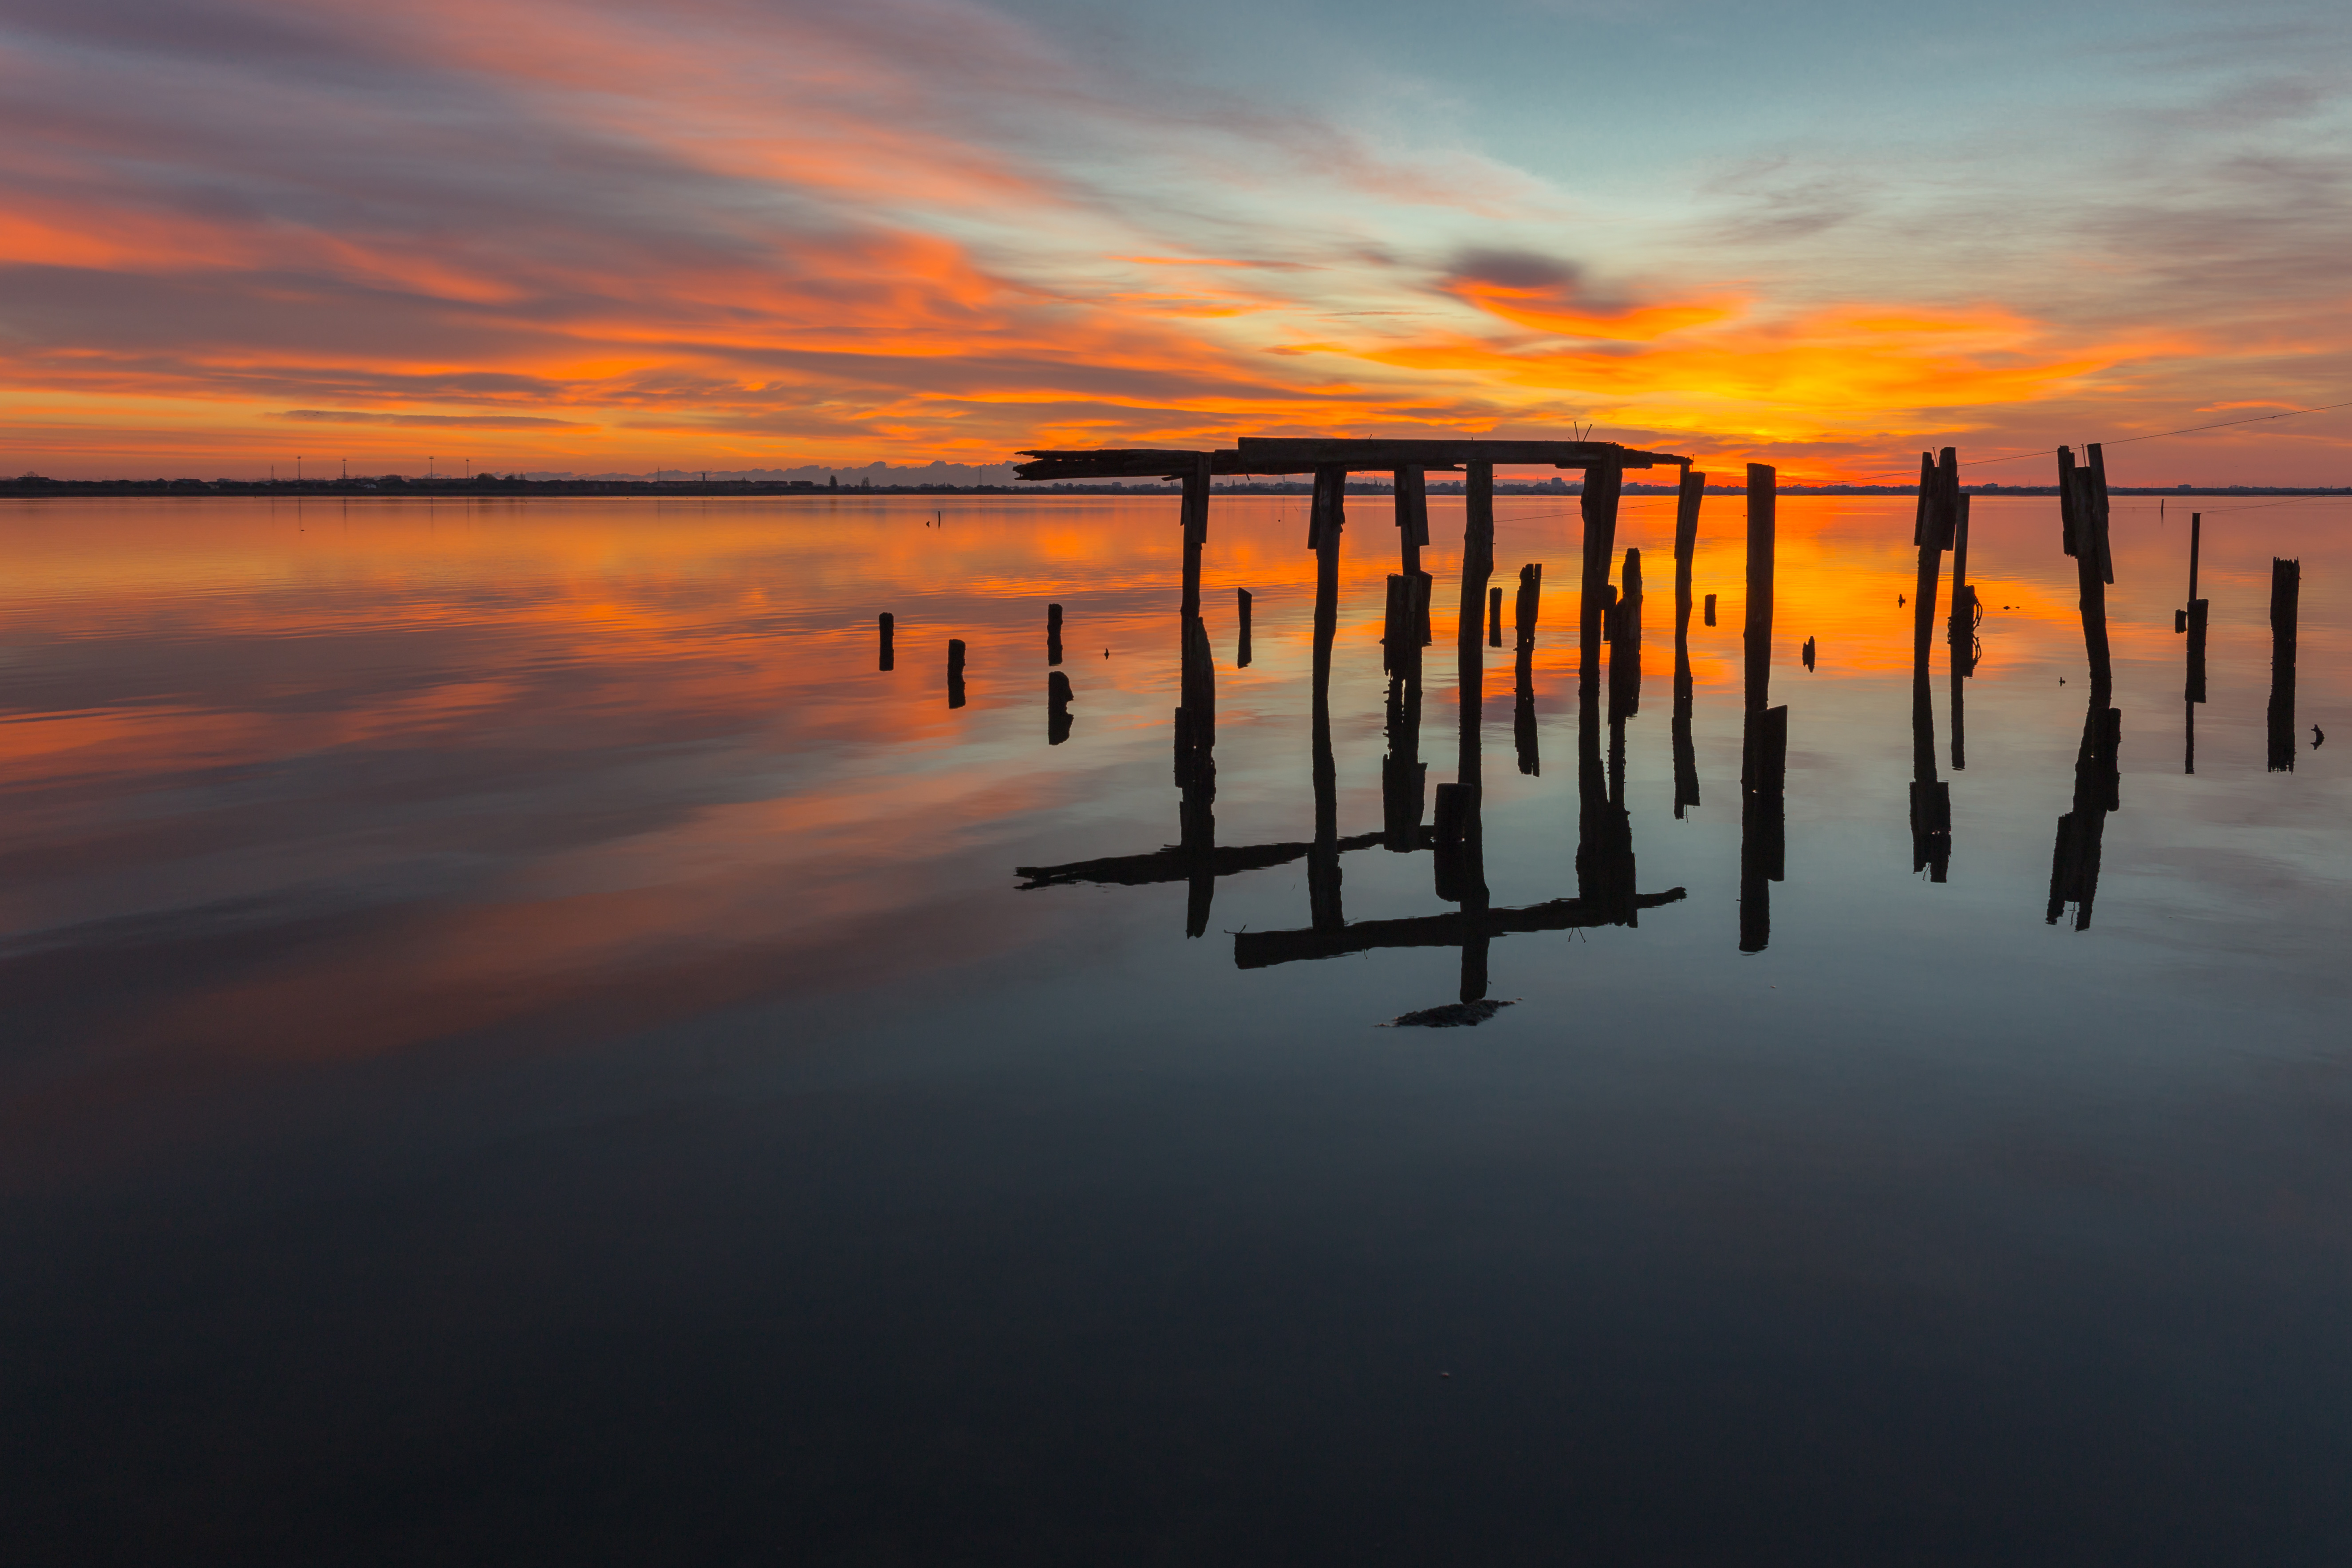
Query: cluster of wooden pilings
<point>1449,827</point>
<point>1447,823</point>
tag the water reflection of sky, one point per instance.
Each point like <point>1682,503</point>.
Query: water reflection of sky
<point>518,976</point>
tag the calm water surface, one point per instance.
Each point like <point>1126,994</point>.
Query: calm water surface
<point>523,1044</point>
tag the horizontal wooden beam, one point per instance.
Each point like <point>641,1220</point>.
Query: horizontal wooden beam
<point>1262,455</point>
<point>1303,454</point>
<point>1107,463</point>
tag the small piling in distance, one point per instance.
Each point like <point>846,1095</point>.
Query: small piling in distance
<point>1242,655</point>
<point>889,627</point>
<point>955,672</point>
<point>1493,617</point>
<point>1710,609</point>
<point>2286,591</point>
<point>1053,634</point>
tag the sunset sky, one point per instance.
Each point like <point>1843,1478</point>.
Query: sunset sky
<point>724,234</point>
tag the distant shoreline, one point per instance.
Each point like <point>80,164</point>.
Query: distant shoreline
<point>467,489</point>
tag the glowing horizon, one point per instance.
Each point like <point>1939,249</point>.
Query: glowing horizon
<point>587,237</point>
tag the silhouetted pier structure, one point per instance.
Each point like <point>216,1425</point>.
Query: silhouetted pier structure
<point>1456,835</point>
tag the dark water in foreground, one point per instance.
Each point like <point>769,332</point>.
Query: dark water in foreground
<point>524,1045</point>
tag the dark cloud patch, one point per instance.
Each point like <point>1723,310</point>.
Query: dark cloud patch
<point>1517,269</point>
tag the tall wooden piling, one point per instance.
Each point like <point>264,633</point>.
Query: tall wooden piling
<point>1523,706</point>
<point>1764,729</point>
<point>2286,591</point>
<point>1603,489</point>
<point>1412,533</point>
<point>1626,643</point>
<point>2200,619</point>
<point>1194,515</point>
<point>1960,631</point>
<point>1327,529</point>
<point>1687,504</point>
<point>2083,516</point>
<point>1477,567</point>
<point>888,625</point>
<point>1763,511</point>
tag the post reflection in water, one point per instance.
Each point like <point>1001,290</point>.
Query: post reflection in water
<point>2286,591</point>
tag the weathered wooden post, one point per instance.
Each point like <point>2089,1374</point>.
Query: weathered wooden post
<point>1762,500</point>
<point>2200,618</point>
<point>1687,504</point>
<point>2196,527</point>
<point>1764,729</point>
<point>1242,656</point>
<point>889,627</point>
<point>1523,707</point>
<point>1195,517</point>
<point>1328,522</point>
<point>1935,529</point>
<point>1412,532</point>
<point>2192,620</point>
<point>955,672</point>
<point>1495,617</point>
<point>1710,609</point>
<point>2083,515</point>
<point>1477,567</point>
<point>1057,707</point>
<point>1602,488</point>
<point>1625,644</point>
<point>2286,591</point>
<point>1961,631</point>
<point>1053,634</point>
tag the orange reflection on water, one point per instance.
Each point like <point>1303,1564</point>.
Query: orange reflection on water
<point>560,770</point>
